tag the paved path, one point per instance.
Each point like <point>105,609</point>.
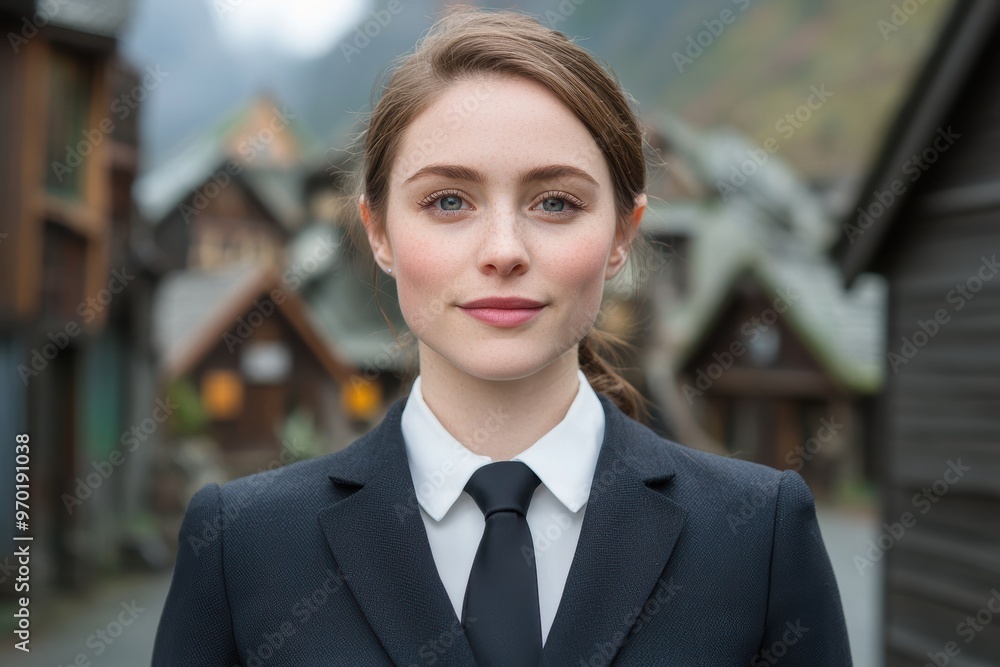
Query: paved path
<point>846,535</point>
<point>89,626</point>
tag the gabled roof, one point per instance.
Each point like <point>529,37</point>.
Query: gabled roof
<point>274,191</point>
<point>265,190</point>
<point>344,302</point>
<point>772,185</point>
<point>193,309</point>
<point>841,329</point>
<point>967,32</point>
<point>774,229</point>
<point>278,187</point>
<point>96,17</point>
<point>773,191</point>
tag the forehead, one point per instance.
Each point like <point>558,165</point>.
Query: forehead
<point>498,126</point>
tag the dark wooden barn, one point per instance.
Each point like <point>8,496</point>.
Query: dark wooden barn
<point>928,219</point>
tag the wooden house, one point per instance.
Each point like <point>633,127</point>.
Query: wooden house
<point>249,349</point>
<point>73,350</point>
<point>232,194</point>
<point>355,307</point>
<point>773,358</point>
<point>928,219</point>
<point>755,350</point>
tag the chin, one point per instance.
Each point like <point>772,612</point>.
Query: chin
<point>497,370</point>
<point>501,366</point>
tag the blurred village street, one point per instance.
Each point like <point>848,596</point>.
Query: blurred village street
<point>179,309</point>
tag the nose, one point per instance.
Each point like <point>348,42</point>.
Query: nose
<point>503,247</point>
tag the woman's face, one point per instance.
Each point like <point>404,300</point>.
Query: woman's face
<point>499,191</point>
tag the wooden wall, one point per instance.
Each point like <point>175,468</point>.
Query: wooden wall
<point>940,411</point>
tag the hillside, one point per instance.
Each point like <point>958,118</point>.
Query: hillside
<point>759,67</point>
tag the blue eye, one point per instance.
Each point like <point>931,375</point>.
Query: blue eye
<point>553,204</point>
<point>559,204</point>
<point>451,203</point>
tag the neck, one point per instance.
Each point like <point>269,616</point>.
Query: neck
<point>498,418</point>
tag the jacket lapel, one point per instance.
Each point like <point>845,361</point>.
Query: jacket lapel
<point>378,539</point>
<point>629,530</point>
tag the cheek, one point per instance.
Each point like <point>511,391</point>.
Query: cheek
<point>423,283</point>
<point>419,269</point>
<point>583,266</point>
<point>581,274</point>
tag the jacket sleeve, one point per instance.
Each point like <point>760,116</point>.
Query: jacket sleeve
<point>805,618</point>
<point>196,629</point>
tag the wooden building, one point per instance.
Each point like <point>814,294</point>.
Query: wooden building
<point>75,356</point>
<point>756,349</point>
<point>928,219</point>
<point>780,373</point>
<point>233,194</point>
<point>246,344</point>
<point>355,306</point>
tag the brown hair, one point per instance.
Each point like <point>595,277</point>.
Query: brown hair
<point>474,42</point>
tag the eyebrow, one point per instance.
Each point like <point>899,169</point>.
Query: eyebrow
<point>545,173</point>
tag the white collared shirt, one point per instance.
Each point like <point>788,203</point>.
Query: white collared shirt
<point>564,459</point>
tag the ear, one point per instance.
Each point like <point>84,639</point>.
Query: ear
<point>378,239</point>
<point>620,252</point>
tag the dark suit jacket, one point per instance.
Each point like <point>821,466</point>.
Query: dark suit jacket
<point>685,558</point>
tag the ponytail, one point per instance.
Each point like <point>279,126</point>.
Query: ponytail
<point>595,348</point>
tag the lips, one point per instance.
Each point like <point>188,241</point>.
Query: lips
<point>503,303</point>
<point>503,312</point>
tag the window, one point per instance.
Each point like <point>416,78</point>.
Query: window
<point>70,139</point>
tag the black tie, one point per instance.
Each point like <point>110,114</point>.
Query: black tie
<point>500,614</point>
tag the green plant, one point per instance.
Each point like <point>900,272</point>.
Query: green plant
<point>189,418</point>
<point>299,436</point>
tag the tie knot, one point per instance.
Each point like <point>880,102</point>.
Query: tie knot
<point>503,485</point>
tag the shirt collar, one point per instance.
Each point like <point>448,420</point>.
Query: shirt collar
<point>564,458</point>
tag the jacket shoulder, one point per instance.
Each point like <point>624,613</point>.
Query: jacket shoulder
<point>701,472</point>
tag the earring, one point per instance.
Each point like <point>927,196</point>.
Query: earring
<point>389,270</point>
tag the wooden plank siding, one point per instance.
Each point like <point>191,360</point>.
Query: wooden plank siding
<point>942,405</point>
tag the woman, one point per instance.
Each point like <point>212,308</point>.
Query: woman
<point>511,510</point>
